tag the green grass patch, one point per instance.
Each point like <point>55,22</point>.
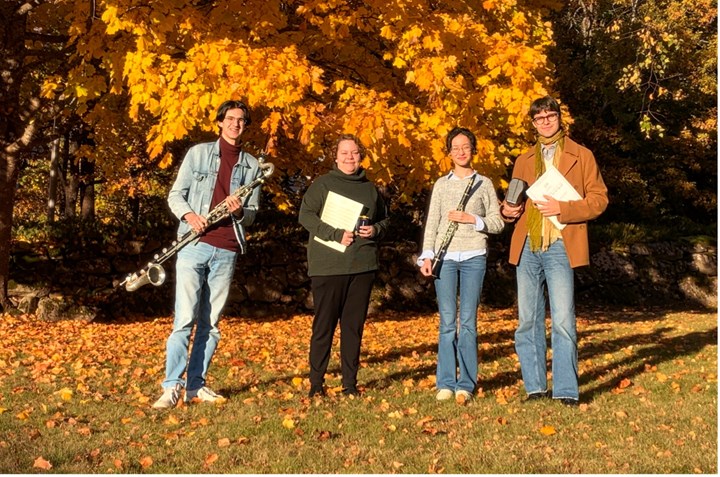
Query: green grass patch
<point>78,397</point>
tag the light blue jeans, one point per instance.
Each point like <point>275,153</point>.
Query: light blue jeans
<point>534,271</point>
<point>203,277</point>
<point>457,346</point>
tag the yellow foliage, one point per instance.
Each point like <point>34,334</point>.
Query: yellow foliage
<point>398,74</point>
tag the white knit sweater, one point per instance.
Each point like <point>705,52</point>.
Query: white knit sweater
<point>446,195</point>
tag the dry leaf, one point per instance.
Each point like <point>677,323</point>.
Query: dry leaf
<point>65,394</point>
<point>41,463</point>
<point>146,462</point>
<point>547,430</point>
<point>324,435</point>
<point>288,423</point>
<point>209,460</point>
<point>224,442</point>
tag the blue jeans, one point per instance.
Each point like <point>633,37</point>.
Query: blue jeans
<point>203,277</point>
<point>457,348</point>
<point>534,271</point>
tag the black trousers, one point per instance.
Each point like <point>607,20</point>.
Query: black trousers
<point>343,298</point>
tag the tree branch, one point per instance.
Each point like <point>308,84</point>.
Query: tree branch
<point>46,38</point>
<point>30,128</point>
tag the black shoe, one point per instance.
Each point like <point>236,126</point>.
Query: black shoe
<point>569,402</point>
<point>351,391</point>
<point>316,390</point>
<point>536,396</point>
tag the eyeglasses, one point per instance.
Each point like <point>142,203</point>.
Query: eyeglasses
<point>233,120</point>
<point>457,150</point>
<point>550,118</point>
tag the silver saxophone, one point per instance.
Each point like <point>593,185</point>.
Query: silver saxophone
<point>154,273</point>
<point>452,228</point>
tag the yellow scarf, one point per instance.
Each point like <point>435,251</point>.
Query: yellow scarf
<point>540,228</point>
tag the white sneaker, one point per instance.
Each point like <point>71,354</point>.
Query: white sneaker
<point>169,398</point>
<point>462,397</point>
<point>444,395</point>
<point>204,394</point>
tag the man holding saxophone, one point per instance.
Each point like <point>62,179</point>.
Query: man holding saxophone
<point>463,210</point>
<point>208,175</point>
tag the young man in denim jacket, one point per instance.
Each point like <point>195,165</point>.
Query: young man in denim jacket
<point>208,175</point>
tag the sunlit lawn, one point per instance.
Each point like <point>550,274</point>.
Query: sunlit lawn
<point>75,398</point>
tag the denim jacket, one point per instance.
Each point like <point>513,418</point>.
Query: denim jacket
<point>195,183</point>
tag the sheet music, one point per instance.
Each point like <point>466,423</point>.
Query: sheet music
<point>555,185</point>
<point>341,213</point>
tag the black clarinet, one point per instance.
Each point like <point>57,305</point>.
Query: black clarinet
<point>154,273</point>
<point>452,228</point>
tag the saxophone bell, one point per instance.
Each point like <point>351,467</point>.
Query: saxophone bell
<point>155,275</point>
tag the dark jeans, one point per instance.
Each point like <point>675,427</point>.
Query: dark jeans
<point>344,298</point>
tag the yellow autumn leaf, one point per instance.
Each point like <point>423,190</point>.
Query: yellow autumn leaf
<point>65,394</point>
<point>288,423</point>
<point>547,430</point>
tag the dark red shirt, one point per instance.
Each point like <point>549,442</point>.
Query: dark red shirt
<point>222,235</point>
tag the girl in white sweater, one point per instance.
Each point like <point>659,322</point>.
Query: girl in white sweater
<point>467,199</point>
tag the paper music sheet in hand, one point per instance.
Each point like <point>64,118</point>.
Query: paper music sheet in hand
<point>341,213</point>
<point>555,185</point>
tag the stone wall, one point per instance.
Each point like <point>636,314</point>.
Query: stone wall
<point>272,279</point>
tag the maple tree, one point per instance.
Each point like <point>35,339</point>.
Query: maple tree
<point>144,78</point>
<point>641,81</point>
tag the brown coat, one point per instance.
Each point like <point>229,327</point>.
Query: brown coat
<point>578,166</point>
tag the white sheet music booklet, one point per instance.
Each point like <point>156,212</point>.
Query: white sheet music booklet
<point>555,185</point>
<point>341,213</point>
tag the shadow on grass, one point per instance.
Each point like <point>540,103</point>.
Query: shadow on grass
<point>663,350</point>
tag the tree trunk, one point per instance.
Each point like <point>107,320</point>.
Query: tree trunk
<point>87,191</point>
<point>53,180</point>
<point>17,128</point>
<point>9,171</point>
<point>72,181</point>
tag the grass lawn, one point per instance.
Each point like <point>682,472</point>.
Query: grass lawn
<point>76,398</point>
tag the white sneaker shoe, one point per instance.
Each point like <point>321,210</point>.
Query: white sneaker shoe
<point>204,394</point>
<point>463,397</point>
<point>444,395</point>
<point>169,398</point>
